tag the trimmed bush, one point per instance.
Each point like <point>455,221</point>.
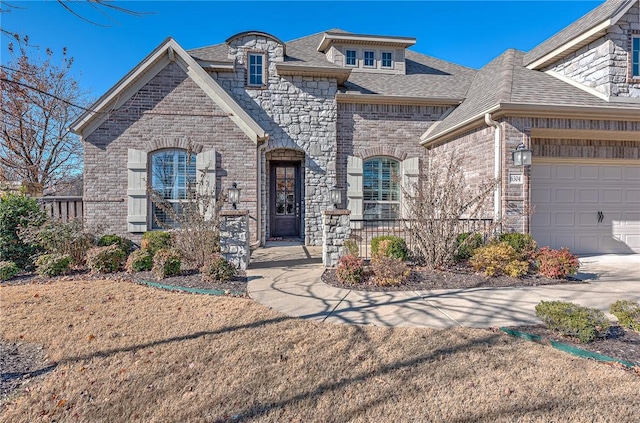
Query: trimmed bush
<point>139,261</point>
<point>166,262</point>
<point>570,319</point>
<point>351,247</point>
<point>627,313</point>
<point>394,247</point>
<point>49,265</point>
<point>389,271</point>
<point>18,211</point>
<point>153,241</point>
<point>557,264</point>
<point>125,244</point>
<point>350,269</point>
<point>8,270</point>
<point>218,269</point>
<point>524,244</point>
<point>62,238</point>
<point>499,259</point>
<point>466,244</point>
<point>105,259</point>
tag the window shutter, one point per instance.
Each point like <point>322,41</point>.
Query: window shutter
<point>206,178</point>
<point>137,191</point>
<point>354,187</point>
<point>410,178</point>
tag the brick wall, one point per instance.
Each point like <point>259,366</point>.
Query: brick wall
<point>169,111</point>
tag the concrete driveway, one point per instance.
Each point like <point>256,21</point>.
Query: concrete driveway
<point>610,268</point>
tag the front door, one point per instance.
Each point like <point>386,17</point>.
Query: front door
<point>285,196</point>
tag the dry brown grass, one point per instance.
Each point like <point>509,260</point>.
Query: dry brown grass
<point>127,352</point>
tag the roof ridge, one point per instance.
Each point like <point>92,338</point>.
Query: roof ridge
<point>505,88</point>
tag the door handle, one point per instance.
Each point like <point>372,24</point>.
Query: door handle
<point>600,217</point>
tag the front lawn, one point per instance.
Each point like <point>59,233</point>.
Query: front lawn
<point>125,352</point>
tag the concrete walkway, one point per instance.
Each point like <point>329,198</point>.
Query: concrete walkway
<point>287,278</point>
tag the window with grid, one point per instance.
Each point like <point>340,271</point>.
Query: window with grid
<point>351,59</point>
<point>173,177</point>
<point>256,69</point>
<point>381,188</point>
<point>386,60</point>
<point>369,58</point>
<point>635,56</point>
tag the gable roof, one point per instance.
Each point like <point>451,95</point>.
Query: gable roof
<point>581,32</point>
<point>168,51</point>
<point>504,85</point>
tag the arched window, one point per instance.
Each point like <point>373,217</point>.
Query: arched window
<point>173,177</point>
<point>381,188</point>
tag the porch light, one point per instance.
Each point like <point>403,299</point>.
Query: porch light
<point>233,193</point>
<point>522,155</point>
<point>336,196</point>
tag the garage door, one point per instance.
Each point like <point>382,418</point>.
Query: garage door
<point>587,207</point>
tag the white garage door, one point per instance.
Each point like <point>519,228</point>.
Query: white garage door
<point>588,207</point>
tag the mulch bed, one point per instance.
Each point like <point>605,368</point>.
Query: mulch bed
<point>188,279</point>
<point>460,276</point>
<point>620,343</point>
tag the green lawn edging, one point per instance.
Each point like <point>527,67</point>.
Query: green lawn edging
<point>579,352</point>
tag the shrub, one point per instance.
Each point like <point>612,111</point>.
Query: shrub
<point>628,313</point>
<point>466,243</point>
<point>166,262</point>
<point>393,247</point>
<point>62,238</point>
<point>217,268</point>
<point>18,211</point>
<point>138,261</point>
<point>584,323</point>
<point>498,259</point>
<point>524,244</point>
<point>8,270</point>
<point>153,241</point>
<point>49,265</point>
<point>350,269</point>
<point>389,271</point>
<point>105,259</point>
<point>124,244</point>
<point>557,264</point>
<point>351,247</point>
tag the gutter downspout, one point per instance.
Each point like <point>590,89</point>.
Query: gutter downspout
<point>259,151</point>
<point>497,166</point>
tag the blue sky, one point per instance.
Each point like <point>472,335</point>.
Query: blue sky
<point>470,33</point>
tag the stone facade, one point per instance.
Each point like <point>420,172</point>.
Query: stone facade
<point>604,64</point>
<point>298,113</point>
<point>335,231</point>
<point>234,237</point>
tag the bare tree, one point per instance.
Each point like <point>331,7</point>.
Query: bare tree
<point>40,100</point>
<point>440,206</point>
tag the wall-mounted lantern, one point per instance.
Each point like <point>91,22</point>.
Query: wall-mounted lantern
<point>336,196</point>
<point>522,155</point>
<point>233,193</point>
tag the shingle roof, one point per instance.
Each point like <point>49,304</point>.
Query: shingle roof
<point>426,76</point>
<point>598,15</point>
<point>505,80</point>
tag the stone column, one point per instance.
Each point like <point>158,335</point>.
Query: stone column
<point>234,237</point>
<point>336,230</point>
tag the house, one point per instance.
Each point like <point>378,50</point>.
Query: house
<point>289,121</point>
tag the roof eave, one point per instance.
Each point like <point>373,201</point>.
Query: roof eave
<point>341,74</point>
<point>396,99</point>
<point>534,111</point>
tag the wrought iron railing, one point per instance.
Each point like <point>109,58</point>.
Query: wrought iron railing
<point>363,231</point>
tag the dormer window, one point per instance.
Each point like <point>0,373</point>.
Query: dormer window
<point>386,60</point>
<point>255,71</point>
<point>369,59</point>
<point>350,58</point>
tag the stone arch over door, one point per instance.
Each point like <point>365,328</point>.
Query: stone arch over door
<point>285,193</point>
